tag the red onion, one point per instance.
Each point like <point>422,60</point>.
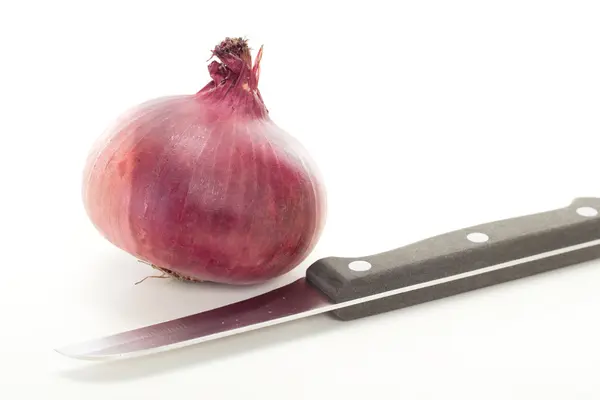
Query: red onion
<point>206,187</point>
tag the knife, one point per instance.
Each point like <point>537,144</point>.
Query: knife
<point>351,288</point>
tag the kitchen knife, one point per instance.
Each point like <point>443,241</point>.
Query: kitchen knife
<point>350,288</point>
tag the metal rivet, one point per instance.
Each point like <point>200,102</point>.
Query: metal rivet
<point>359,266</point>
<point>587,211</point>
<point>478,237</point>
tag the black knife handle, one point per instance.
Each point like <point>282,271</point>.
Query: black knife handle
<point>515,248</point>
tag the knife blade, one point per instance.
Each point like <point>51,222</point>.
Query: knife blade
<point>351,288</point>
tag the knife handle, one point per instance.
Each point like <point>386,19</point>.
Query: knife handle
<point>462,260</point>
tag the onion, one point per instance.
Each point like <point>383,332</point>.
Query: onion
<point>205,187</point>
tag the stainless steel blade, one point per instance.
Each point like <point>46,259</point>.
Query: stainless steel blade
<point>290,302</point>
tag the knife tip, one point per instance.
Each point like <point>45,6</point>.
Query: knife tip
<point>64,351</point>
<point>68,351</point>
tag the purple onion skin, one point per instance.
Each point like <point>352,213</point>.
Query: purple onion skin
<point>206,187</point>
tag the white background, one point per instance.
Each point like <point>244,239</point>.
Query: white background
<point>424,116</point>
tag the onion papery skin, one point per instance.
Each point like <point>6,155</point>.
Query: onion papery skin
<point>206,187</point>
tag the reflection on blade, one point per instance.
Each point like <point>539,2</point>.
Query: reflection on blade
<point>294,301</point>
